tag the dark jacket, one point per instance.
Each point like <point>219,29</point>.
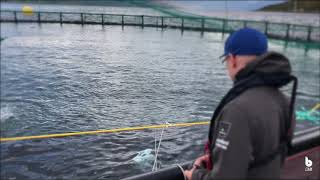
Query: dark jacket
<point>250,126</point>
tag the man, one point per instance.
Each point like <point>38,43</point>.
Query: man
<point>253,124</point>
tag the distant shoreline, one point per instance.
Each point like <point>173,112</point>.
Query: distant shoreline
<point>294,6</point>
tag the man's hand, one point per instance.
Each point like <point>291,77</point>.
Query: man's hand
<point>188,173</point>
<point>197,164</point>
<point>200,161</point>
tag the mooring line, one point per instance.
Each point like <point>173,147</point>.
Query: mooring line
<point>154,168</point>
<point>137,128</point>
<point>317,106</point>
<point>103,131</point>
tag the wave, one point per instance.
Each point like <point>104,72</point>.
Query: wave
<point>6,114</point>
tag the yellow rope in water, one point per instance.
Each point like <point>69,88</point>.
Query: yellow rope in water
<point>103,131</point>
<point>317,106</point>
<point>114,130</point>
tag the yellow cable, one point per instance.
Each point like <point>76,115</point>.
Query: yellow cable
<point>315,108</point>
<point>102,131</point>
<point>115,130</point>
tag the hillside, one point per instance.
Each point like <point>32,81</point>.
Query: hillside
<point>306,6</point>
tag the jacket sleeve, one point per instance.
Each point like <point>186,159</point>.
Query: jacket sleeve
<point>232,150</point>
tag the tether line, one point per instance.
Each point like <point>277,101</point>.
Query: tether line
<point>317,106</point>
<point>137,128</point>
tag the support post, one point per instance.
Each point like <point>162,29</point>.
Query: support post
<point>266,27</point>
<point>245,24</point>
<point>223,26</point>
<point>122,20</point>
<point>202,24</point>
<point>81,18</point>
<point>39,18</point>
<point>182,23</point>
<point>142,21</point>
<point>309,33</point>
<point>287,31</point>
<point>60,15</point>
<point>102,19</point>
<point>162,22</point>
<point>15,16</point>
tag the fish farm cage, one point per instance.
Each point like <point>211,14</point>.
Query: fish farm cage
<point>203,24</point>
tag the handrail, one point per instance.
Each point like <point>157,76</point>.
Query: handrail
<point>185,17</point>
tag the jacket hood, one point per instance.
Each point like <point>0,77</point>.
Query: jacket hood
<point>268,63</point>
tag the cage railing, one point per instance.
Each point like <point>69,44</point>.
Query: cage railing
<point>204,24</point>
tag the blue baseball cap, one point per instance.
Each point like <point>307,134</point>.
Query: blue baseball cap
<point>246,41</point>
